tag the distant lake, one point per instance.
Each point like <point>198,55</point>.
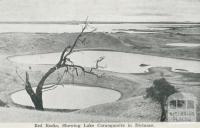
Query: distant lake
<point>72,28</point>
<point>184,44</point>
<point>114,61</point>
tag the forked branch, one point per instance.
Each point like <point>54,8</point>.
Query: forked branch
<point>64,62</point>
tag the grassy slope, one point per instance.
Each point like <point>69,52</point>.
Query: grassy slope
<point>154,43</point>
<point>23,115</point>
<point>131,85</point>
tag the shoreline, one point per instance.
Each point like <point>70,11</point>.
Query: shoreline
<point>64,110</point>
<point>132,85</point>
<point>110,50</point>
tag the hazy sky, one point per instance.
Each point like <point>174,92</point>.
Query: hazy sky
<point>100,10</point>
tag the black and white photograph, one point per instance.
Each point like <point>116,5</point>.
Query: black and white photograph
<point>107,61</point>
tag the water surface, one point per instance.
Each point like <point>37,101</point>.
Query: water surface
<point>71,28</point>
<point>114,61</point>
<point>184,44</point>
<point>70,97</point>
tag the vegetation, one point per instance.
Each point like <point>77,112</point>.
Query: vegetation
<point>159,92</point>
<point>2,104</point>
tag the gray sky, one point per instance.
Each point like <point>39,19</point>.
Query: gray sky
<point>100,10</point>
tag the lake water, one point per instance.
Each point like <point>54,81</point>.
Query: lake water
<point>70,97</point>
<point>114,61</point>
<point>77,97</point>
<point>184,44</point>
<point>71,28</point>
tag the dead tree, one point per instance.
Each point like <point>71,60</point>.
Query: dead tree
<point>64,62</point>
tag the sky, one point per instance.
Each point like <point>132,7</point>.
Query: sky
<point>100,10</point>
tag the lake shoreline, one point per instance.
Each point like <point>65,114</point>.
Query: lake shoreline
<point>64,110</point>
<point>132,107</point>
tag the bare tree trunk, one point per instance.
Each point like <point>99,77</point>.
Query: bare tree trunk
<point>64,61</point>
<point>40,87</point>
<point>36,101</point>
<point>163,113</point>
<point>36,97</point>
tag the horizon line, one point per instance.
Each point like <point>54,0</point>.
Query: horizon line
<point>96,22</point>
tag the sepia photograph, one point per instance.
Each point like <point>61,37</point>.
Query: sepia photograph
<point>99,61</point>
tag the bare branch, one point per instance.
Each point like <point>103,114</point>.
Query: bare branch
<point>63,53</point>
<point>85,71</point>
<point>20,77</point>
<point>93,30</point>
<point>75,42</point>
<point>76,71</point>
<point>64,62</point>
<point>58,82</point>
<point>28,86</point>
<point>49,89</point>
<point>97,63</point>
<point>82,41</point>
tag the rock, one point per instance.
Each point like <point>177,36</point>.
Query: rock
<point>2,104</point>
<point>183,70</point>
<point>143,65</point>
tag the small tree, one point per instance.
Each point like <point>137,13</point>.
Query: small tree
<point>159,92</point>
<point>64,62</point>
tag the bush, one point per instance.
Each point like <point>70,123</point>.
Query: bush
<point>2,104</point>
<point>159,92</point>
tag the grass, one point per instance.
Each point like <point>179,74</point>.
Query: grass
<point>131,107</point>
